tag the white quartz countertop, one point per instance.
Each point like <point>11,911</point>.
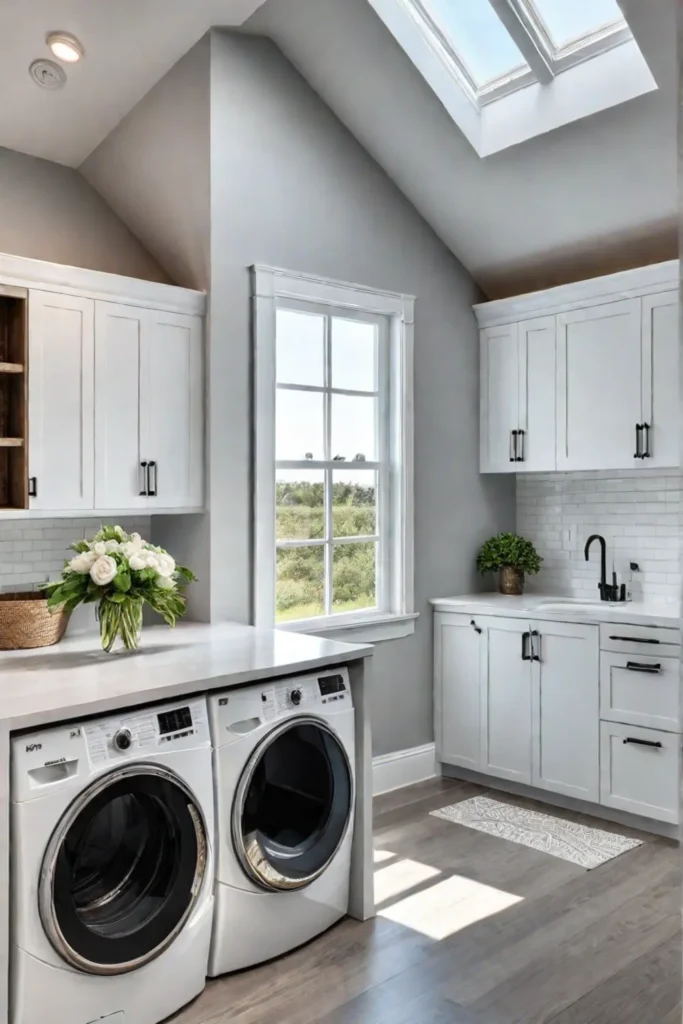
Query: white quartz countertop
<point>76,677</point>
<point>564,609</point>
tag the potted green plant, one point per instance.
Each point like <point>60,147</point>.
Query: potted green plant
<point>511,556</point>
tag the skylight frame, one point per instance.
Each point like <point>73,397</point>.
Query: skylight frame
<point>585,47</point>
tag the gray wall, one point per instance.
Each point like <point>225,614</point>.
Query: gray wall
<point>292,188</point>
<point>48,212</point>
<point>153,169</point>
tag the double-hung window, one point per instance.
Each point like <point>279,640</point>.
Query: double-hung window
<point>333,474</point>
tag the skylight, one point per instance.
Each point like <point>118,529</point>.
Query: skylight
<point>567,21</point>
<point>477,35</point>
<point>509,70</point>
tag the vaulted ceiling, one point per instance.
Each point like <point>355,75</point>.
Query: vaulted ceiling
<point>588,198</point>
<point>129,46</point>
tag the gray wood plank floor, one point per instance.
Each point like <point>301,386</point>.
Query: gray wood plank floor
<point>484,931</point>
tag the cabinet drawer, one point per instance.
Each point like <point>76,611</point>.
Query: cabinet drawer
<point>640,689</point>
<point>656,640</point>
<point>639,770</point>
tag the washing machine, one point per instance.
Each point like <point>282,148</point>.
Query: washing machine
<point>112,867</point>
<point>284,785</point>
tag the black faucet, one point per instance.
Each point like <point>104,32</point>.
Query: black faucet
<point>608,591</point>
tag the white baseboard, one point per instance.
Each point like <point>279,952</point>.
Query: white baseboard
<point>403,768</point>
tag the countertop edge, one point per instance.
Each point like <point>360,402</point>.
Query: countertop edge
<point>629,615</point>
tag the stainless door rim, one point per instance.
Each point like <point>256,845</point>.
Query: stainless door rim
<point>275,880</point>
<point>45,901</point>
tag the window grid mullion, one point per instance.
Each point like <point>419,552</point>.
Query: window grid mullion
<point>329,564</point>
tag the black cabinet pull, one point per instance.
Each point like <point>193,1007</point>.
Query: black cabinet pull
<point>639,666</point>
<point>525,646</point>
<point>33,487</point>
<point>152,481</point>
<point>477,629</point>
<point>643,743</point>
<point>646,454</point>
<point>144,484</point>
<point>513,446</point>
<point>535,653</point>
<point>519,449</point>
<point>639,441</point>
<point>634,640</point>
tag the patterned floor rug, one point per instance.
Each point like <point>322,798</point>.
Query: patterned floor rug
<point>587,847</point>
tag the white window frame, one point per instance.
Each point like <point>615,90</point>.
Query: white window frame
<point>560,85</point>
<point>273,288</point>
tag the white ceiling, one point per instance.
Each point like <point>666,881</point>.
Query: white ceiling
<point>130,45</point>
<point>591,197</point>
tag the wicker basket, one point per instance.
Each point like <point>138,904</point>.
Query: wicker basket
<point>25,622</point>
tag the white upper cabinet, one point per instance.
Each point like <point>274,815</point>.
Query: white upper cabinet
<point>499,399</point>
<point>517,410</point>
<point>121,384</point>
<point>174,417</point>
<point>598,386</point>
<point>536,440</point>
<point>660,415</point>
<point>591,385</point>
<point>148,409</point>
<point>61,401</point>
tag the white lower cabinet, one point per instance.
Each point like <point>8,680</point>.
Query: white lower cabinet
<point>639,770</point>
<point>458,650</point>
<point>565,693</point>
<point>507,702</point>
<point>640,689</point>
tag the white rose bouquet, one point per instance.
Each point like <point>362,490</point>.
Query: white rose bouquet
<point>121,573</point>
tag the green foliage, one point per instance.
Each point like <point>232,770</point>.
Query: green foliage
<point>508,549</point>
<point>155,581</point>
<point>300,571</point>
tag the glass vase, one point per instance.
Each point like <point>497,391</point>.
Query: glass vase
<point>120,625</point>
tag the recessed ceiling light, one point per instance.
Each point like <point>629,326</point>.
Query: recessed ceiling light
<point>65,47</point>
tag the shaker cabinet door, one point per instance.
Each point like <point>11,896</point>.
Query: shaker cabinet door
<point>506,726</point>
<point>499,410</point>
<point>61,401</point>
<point>174,415</point>
<point>660,380</point>
<point>599,386</point>
<point>458,649</point>
<point>121,381</point>
<point>536,440</point>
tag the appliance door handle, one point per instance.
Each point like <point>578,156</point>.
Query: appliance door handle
<point>144,480</point>
<point>646,453</point>
<point>152,481</point>
<point>520,448</point>
<point>634,639</point>
<point>639,441</point>
<point>513,446</point>
<point>525,646</point>
<point>643,743</point>
<point>639,666</point>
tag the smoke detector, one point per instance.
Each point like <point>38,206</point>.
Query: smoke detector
<point>47,74</point>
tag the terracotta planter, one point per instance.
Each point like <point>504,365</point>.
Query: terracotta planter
<point>511,581</point>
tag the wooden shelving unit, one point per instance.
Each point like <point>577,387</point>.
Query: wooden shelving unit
<point>13,398</point>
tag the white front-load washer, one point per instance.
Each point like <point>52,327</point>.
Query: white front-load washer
<point>112,867</point>
<point>284,783</point>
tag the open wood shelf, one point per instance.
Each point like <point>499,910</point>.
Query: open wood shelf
<point>13,400</point>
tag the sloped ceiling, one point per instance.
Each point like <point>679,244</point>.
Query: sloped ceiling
<point>595,196</point>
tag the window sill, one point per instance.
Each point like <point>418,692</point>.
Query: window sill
<point>370,631</point>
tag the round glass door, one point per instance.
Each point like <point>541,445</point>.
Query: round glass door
<point>123,870</point>
<point>293,805</point>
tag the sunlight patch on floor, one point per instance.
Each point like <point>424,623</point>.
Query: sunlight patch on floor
<point>379,856</point>
<point>397,878</point>
<point>448,906</point>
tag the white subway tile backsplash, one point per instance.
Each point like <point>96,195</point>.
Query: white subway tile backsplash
<point>35,552</point>
<point>639,512</point>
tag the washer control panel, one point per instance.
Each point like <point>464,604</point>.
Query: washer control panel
<point>306,693</point>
